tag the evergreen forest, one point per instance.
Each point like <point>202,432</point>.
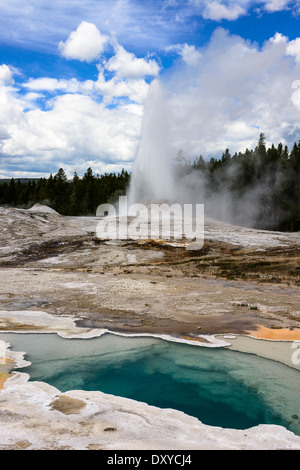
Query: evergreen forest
<point>268,178</point>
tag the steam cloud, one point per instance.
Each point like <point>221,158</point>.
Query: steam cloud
<point>228,97</point>
<point>152,177</point>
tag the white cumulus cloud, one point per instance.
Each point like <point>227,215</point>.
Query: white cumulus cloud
<point>293,48</point>
<point>216,10</point>
<point>6,74</point>
<point>276,5</point>
<point>134,89</point>
<point>71,85</point>
<point>86,43</point>
<point>75,130</point>
<point>190,55</point>
<point>126,64</point>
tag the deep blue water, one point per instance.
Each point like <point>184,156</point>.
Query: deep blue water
<point>218,386</point>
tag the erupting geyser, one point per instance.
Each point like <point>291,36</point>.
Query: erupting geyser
<point>152,175</point>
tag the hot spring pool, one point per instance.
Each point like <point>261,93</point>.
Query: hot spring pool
<point>218,386</point>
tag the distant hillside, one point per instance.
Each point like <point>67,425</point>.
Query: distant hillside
<point>22,180</point>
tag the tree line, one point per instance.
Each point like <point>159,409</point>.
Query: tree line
<point>78,197</point>
<point>261,187</point>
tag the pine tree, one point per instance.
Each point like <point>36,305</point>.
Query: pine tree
<point>60,188</point>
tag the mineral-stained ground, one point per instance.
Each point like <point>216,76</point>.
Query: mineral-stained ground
<point>240,280</point>
<point>240,277</point>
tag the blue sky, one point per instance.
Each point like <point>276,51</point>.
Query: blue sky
<point>75,76</point>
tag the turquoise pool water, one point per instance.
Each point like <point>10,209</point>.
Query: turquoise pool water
<point>218,386</point>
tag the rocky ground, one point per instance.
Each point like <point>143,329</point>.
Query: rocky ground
<point>240,277</point>
<point>240,280</point>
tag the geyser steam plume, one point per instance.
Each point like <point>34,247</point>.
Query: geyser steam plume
<point>152,174</point>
